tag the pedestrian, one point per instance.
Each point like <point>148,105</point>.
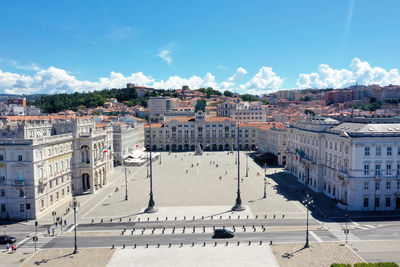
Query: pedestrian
<point>12,247</point>
<point>8,247</point>
<point>53,231</point>
<point>226,172</point>
<point>65,222</point>
<point>56,224</point>
<point>48,230</point>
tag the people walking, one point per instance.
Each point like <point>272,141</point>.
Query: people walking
<point>65,222</point>
<point>48,230</point>
<point>8,247</point>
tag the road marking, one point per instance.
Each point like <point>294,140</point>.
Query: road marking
<point>369,226</point>
<point>360,227</point>
<point>315,236</point>
<point>23,241</point>
<point>355,223</point>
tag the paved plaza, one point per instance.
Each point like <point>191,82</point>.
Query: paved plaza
<point>184,180</point>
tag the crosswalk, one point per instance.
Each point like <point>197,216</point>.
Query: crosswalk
<point>43,239</point>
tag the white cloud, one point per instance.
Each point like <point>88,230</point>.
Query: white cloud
<point>265,81</point>
<point>15,64</point>
<point>54,80</point>
<point>360,72</point>
<point>165,55</point>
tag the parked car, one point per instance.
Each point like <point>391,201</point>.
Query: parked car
<point>222,233</point>
<point>4,239</point>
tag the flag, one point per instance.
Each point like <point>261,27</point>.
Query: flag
<point>302,155</point>
<point>104,150</point>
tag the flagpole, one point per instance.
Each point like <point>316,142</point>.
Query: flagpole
<point>151,208</point>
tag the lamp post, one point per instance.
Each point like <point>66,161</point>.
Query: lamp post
<point>265,180</point>
<point>147,176</point>
<point>75,205</point>
<point>247,165</point>
<point>307,202</point>
<point>126,184</point>
<point>151,208</point>
<point>26,207</point>
<point>238,204</point>
<point>36,225</point>
<point>160,157</point>
<point>346,230</point>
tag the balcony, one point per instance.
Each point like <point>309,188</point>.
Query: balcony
<point>18,183</point>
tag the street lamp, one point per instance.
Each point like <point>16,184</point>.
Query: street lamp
<point>26,206</point>
<point>307,202</point>
<point>238,205</point>
<point>151,208</point>
<point>265,180</point>
<point>346,230</point>
<point>126,184</point>
<point>247,165</point>
<point>75,205</point>
<point>147,165</point>
<point>36,225</point>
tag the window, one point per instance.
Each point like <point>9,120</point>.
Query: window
<point>388,169</point>
<point>389,151</point>
<point>388,185</point>
<point>28,206</point>
<point>366,151</point>
<point>387,201</point>
<point>57,195</point>
<point>21,193</point>
<point>21,207</point>
<point>1,157</point>
<point>366,169</point>
<point>377,200</point>
<point>366,185</point>
<point>377,169</point>
<point>62,192</point>
<point>377,185</point>
<point>378,151</point>
<point>41,172</point>
<point>3,207</point>
<point>42,203</point>
<point>19,157</point>
<point>51,198</point>
<point>398,151</point>
<point>366,204</point>
<point>2,193</point>
<point>67,189</point>
<point>398,184</point>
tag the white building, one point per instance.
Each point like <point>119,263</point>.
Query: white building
<point>242,111</point>
<point>46,159</point>
<point>355,162</point>
<point>127,138</point>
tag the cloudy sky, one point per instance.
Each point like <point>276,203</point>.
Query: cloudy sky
<point>254,46</point>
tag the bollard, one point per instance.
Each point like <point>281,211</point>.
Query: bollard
<point>204,229</point>
<point>183,230</point>
<point>256,216</point>
<point>181,244</point>
<point>138,219</point>
<point>110,220</point>
<point>211,217</point>
<point>166,218</point>
<point>122,233</point>
<point>202,217</point>
<point>249,243</point>
<point>134,246</point>
<point>132,232</point>
<point>192,244</point>
<point>254,229</point>
<point>148,219</point>
<point>274,216</point>
<point>163,228</point>
<point>112,247</point>
<point>194,229</point>
<point>92,221</point>
<point>101,220</point>
<point>194,217</point>
<point>120,219</point>
<point>123,246</point>
<point>229,217</point>
<point>263,229</point>
<point>175,218</point>
<point>213,227</point>
<point>283,216</point>
<point>270,242</point>
<point>247,217</point>
<point>253,226</point>
<point>238,216</point>
<point>158,245</point>
<point>204,244</point>
<point>260,242</point>
<point>157,219</point>
<point>163,231</point>
<point>244,229</point>
<point>130,219</point>
<point>147,245</point>
<point>184,218</point>
<point>124,229</point>
<point>238,243</point>
<point>173,231</point>
<point>174,228</point>
<point>169,245</point>
<point>220,217</point>
<point>215,244</point>
<point>223,227</point>
<point>226,243</point>
<point>265,217</point>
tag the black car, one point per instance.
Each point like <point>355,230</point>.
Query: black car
<point>4,239</point>
<point>222,233</point>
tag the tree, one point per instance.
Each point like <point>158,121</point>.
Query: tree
<point>201,105</point>
<point>228,93</point>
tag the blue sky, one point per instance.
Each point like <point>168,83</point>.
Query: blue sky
<point>247,46</point>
